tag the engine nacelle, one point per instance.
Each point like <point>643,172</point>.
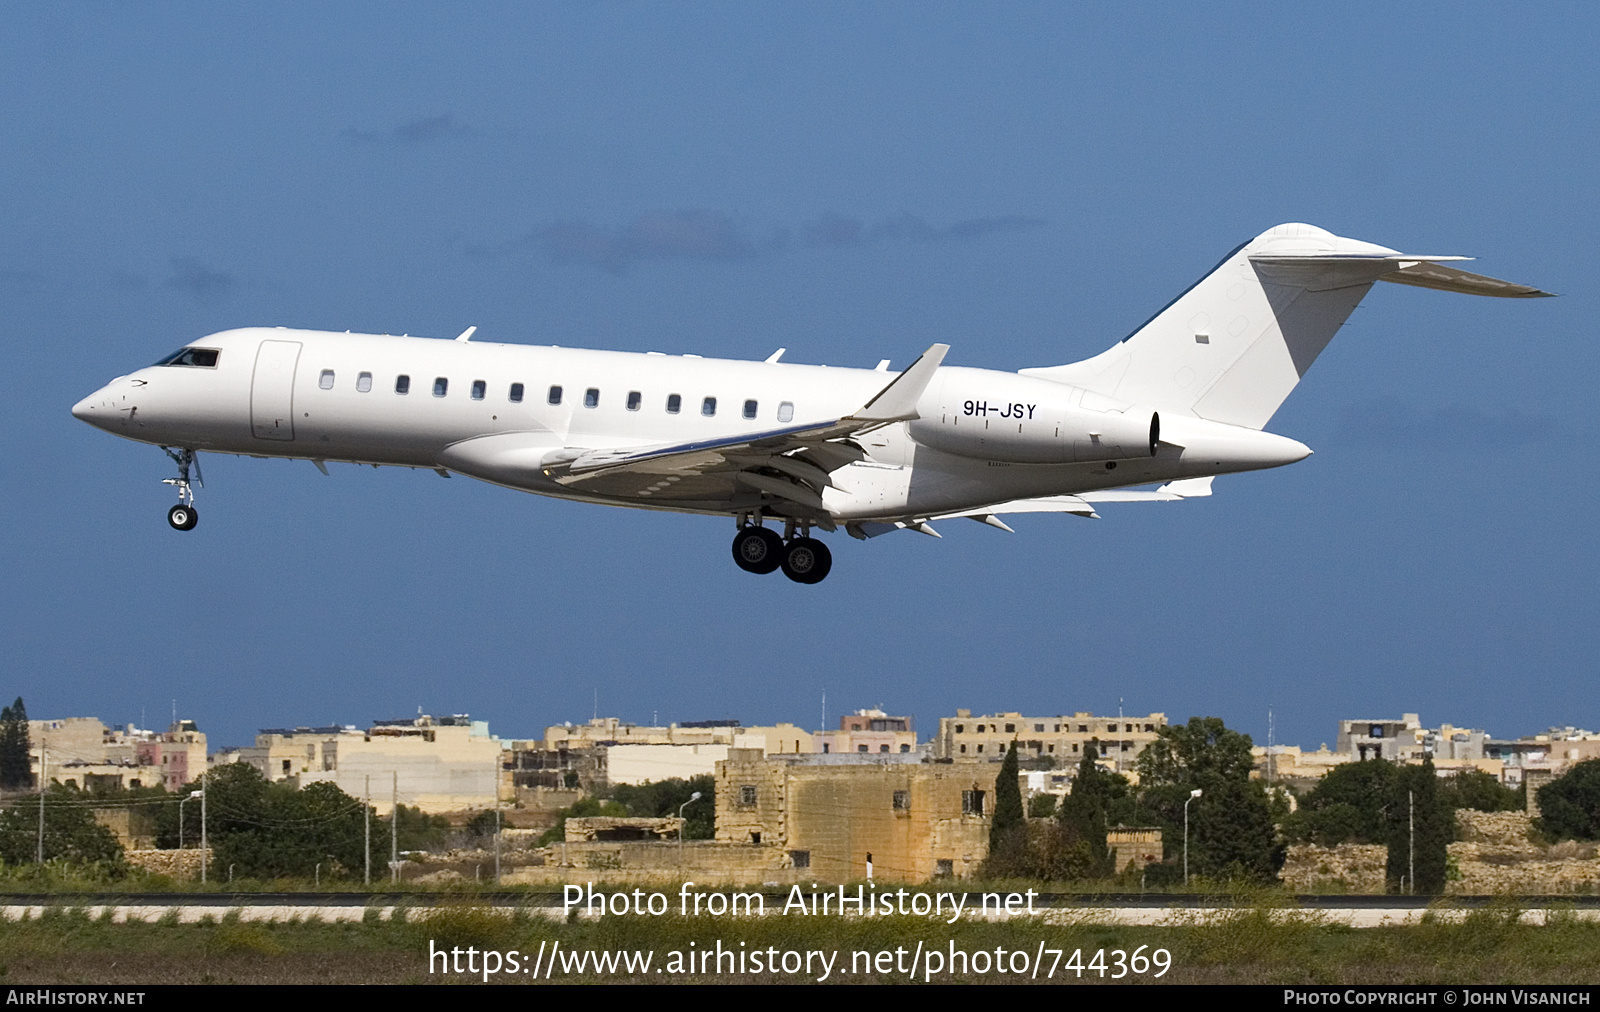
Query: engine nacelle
<point>1018,419</point>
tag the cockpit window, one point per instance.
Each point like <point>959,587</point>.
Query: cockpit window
<point>203,358</point>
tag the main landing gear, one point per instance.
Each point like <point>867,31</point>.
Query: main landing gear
<point>183,516</point>
<point>803,559</point>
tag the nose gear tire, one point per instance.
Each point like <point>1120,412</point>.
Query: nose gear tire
<point>182,518</point>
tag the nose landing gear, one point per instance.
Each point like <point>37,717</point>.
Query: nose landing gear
<point>803,559</point>
<point>184,516</point>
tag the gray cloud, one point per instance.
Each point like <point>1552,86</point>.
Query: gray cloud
<point>713,235</point>
<point>671,235</point>
<point>912,229</point>
<point>418,131</point>
<point>191,276</point>
<point>1389,423</point>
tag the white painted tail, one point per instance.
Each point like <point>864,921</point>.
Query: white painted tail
<point>1232,347</point>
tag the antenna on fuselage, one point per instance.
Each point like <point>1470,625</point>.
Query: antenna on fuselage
<point>466,335</point>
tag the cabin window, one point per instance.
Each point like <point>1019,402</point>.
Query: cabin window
<point>402,384</point>
<point>364,383</point>
<point>674,404</point>
<point>634,397</point>
<point>516,393</point>
<point>708,407</point>
<point>786,412</point>
<point>591,397</point>
<point>441,386</point>
<point>325,381</point>
<point>749,409</point>
<point>555,395</point>
<point>479,388</point>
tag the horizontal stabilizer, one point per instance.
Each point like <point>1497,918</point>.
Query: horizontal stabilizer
<point>1449,279</point>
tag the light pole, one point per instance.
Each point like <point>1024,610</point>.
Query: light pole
<point>692,799</point>
<point>181,803</point>
<point>1192,795</point>
<point>44,760</point>
<point>205,844</point>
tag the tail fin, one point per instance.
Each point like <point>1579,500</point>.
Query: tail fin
<point>1232,347</point>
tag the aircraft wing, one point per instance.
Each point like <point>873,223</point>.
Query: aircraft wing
<point>793,464</point>
<point>1081,505</point>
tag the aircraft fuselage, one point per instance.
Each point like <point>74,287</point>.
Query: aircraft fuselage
<point>984,436</point>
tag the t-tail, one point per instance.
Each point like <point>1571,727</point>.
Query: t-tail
<point>1232,347</point>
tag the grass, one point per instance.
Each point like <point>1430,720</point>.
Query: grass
<point>1265,940</point>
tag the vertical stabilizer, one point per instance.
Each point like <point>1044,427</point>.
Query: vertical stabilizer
<point>1232,347</point>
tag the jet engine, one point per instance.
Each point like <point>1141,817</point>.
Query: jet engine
<point>1021,420</point>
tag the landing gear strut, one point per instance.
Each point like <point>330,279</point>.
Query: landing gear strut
<point>803,559</point>
<point>184,516</point>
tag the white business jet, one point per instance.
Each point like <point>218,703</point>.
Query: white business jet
<point>1180,400</point>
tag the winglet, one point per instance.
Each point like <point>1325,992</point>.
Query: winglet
<point>897,402</point>
<point>466,335</point>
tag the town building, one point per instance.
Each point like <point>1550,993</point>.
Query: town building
<point>1116,742</point>
<point>912,820</point>
<point>83,752</point>
<point>444,764</point>
<point>873,732</point>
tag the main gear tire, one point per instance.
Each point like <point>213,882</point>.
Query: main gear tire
<point>757,550</point>
<point>806,560</point>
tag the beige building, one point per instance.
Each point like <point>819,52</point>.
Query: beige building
<point>1115,741</point>
<point>872,732</point>
<point>444,764</point>
<point>611,730</point>
<point>281,753</point>
<point>83,752</point>
<point>608,751</point>
<point>639,764</point>
<point>916,820</point>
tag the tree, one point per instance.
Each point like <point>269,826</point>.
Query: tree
<point>16,768</point>
<point>1200,752</point>
<point>1008,827</point>
<point>1569,806</point>
<point>1346,806</point>
<point>1419,829</point>
<point>70,830</point>
<point>270,830</point>
<point>1478,790</point>
<point>662,798</point>
<point>1231,832</point>
<point>1082,818</point>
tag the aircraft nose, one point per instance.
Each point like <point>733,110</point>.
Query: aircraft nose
<point>97,409</point>
<point>84,409</point>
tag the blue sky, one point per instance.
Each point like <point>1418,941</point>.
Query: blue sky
<point>852,182</point>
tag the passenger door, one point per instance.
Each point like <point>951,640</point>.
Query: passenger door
<point>272,390</point>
